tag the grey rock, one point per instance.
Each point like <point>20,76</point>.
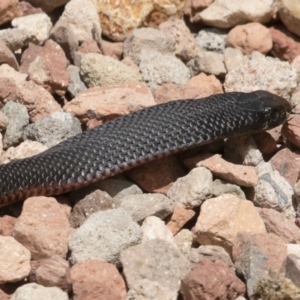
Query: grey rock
<point>220,187</point>
<point>140,207</point>
<point>33,291</point>
<point>100,70</point>
<point>156,260</point>
<point>103,235</point>
<point>147,39</point>
<point>234,58</point>
<point>292,268</point>
<point>18,119</point>
<point>212,39</point>
<point>53,129</point>
<point>158,68</point>
<point>76,85</point>
<point>184,240</point>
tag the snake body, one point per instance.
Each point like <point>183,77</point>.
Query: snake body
<point>137,138</point>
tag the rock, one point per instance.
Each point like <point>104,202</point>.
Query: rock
<point>207,281</point>
<point>211,39</point>
<point>208,62</point>
<point>156,260</point>
<point>291,131</point>
<point>25,149</point>
<point>179,218</point>
<point>191,190</point>
<point>110,101</point>
<point>222,187</point>
<point>234,58</point>
<point>28,9</point>
<point>103,236</point>
<point>100,70</point>
<point>14,260</point>
<point>266,142</point>
<point>258,74</point>
<point>289,12</point>
<point>296,65</point>
<point>278,224</point>
<point>48,68</point>
<point>9,10</point>
<point>292,268</point>
<point>185,44</point>
<point>287,163</point>
<point>192,8</point>
<point>157,176</point>
<point>7,224</point>
<point>140,207</point>
<point>228,13</point>
<point>184,240</point>
<point>38,25</point>
<point>15,38</point>
<point>48,5</point>
<point>286,46</point>
<point>250,37</point>
<point>76,85</point>
<point>33,291</point>
<point>53,129</point>
<point>157,69</point>
<point>209,84</point>
<point>84,207</point>
<point>213,253</point>
<point>18,118</point>
<point>214,227</point>
<point>236,174</point>
<point>7,57</point>
<point>148,39</point>
<point>154,228</point>
<point>256,255</point>
<point>273,191</point>
<point>43,228</point>
<point>54,271</point>
<point>82,17</point>
<point>114,50</point>
<point>118,20</point>
<point>151,290</point>
<point>97,279</point>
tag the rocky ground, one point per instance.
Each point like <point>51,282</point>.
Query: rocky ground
<point>218,223</point>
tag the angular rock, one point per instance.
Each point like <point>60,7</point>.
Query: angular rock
<point>292,268</point>
<point>53,129</point>
<point>103,236</point>
<point>250,37</point>
<point>215,227</point>
<point>233,58</point>
<point>289,13</point>
<point>9,10</point>
<point>76,85</point>
<point>148,39</point>
<point>14,260</point>
<point>156,260</point>
<point>192,8</point>
<point>222,187</point>
<point>207,281</point>
<point>191,190</point>
<point>99,70</point>
<point>291,131</point>
<point>184,240</point>
<point>43,228</point>
<point>110,101</point>
<point>7,56</point>
<point>114,50</point>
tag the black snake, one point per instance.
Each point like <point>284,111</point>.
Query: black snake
<point>137,138</point>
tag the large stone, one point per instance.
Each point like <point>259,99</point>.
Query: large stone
<point>289,13</point>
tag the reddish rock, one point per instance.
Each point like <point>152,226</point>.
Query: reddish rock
<point>114,50</point>
<point>287,163</point>
<point>291,130</point>
<point>286,45</point>
<point>9,9</point>
<point>157,176</point>
<point>250,37</point>
<point>179,218</point>
<point>7,56</point>
<point>94,279</point>
<point>43,228</point>
<point>47,66</point>
<point>7,224</point>
<point>89,46</point>
<point>256,255</point>
<point>28,9</point>
<point>278,224</point>
<point>265,142</point>
<point>211,280</point>
<point>54,271</point>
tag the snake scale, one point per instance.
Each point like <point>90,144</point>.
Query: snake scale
<point>137,138</point>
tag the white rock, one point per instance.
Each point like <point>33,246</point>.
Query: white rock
<point>184,240</point>
<point>289,13</point>
<point>211,39</point>
<point>234,58</point>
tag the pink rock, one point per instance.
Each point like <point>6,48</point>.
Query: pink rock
<point>9,9</point>
<point>237,174</point>
<point>89,46</point>
<point>157,176</point>
<point>287,163</point>
<point>265,142</point>
<point>179,218</point>
<point>7,224</point>
<point>104,103</point>
<point>286,45</point>
<point>43,228</point>
<point>211,280</point>
<point>94,279</point>
<point>291,130</point>
<point>114,50</point>
<point>7,56</point>
<point>250,37</point>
